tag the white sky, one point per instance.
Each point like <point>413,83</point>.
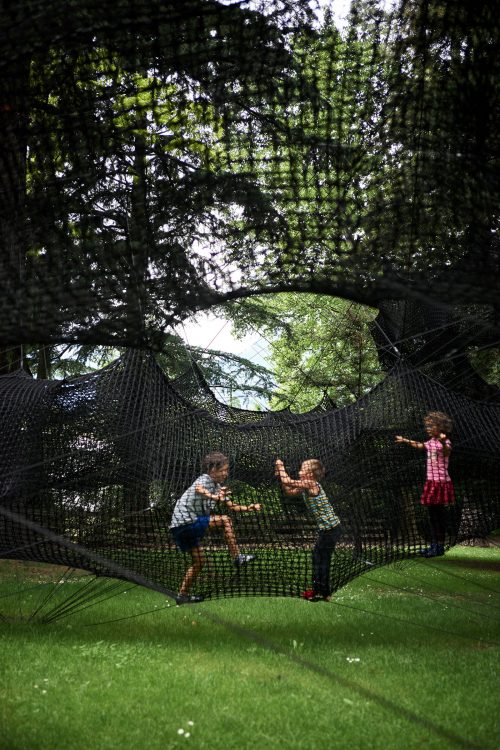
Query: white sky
<point>207,331</point>
<point>210,332</point>
<point>340,8</point>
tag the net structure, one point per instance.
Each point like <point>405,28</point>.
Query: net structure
<point>158,158</point>
<point>99,462</point>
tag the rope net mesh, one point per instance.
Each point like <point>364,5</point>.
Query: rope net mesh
<point>158,158</point>
<point>101,460</point>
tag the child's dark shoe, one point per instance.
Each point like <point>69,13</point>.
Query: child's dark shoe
<point>435,550</point>
<point>428,552</point>
<point>188,599</point>
<point>320,598</point>
<point>312,596</point>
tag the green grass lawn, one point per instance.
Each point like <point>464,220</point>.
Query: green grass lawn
<point>404,657</point>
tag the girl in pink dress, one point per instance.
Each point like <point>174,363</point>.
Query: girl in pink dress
<point>438,491</point>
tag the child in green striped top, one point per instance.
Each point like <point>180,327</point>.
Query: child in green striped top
<point>328,523</point>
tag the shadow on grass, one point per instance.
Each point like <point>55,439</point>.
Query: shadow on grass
<point>391,615</point>
<point>218,628</point>
<point>473,564</point>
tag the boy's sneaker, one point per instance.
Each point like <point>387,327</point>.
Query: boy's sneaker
<point>188,599</point>
<point>309,595</point>
<point>243,559</point>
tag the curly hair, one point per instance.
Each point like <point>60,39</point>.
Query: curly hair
<point>442,421</point>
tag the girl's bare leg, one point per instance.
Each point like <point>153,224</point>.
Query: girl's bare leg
<point>198,561</point>
<point>224,522</point>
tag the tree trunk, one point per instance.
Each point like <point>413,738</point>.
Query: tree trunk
<point>14,84</point>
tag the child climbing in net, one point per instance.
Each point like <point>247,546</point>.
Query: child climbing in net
<point>328,524</point>
<point>438,493</point>
<point>192,517</point>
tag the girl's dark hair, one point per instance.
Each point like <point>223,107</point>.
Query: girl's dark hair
<point>213,460</point>
<point>442,421</point>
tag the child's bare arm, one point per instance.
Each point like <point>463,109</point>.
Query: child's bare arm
<point>294,486</point>
<point>412,443</point>
<point>235,507</point>
<point>446,447</point>
<point>285,479</point>
<point>223,497</point>
<point>291,491</point>
<point>200,490</point>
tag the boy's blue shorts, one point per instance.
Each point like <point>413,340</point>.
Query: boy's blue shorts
<point>190,534</point>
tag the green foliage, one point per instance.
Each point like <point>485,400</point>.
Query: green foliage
<point>487,363</point>
<point>165,172</point>
<point>319,346</point>
<point>222,371</point>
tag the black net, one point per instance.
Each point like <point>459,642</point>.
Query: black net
<point>158,158</point>
<point>441,342</point>
<point>100,461</point>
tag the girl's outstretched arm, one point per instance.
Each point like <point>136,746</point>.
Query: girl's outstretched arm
<point>413,443</point>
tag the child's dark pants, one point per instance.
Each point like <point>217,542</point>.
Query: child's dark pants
<point>322,556</point>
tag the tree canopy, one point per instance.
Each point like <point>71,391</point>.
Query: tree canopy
<point>186,155</point>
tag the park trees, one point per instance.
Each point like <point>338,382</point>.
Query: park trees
<point>154,170</point>
<point>319,347</point>
<point>117,162</point>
